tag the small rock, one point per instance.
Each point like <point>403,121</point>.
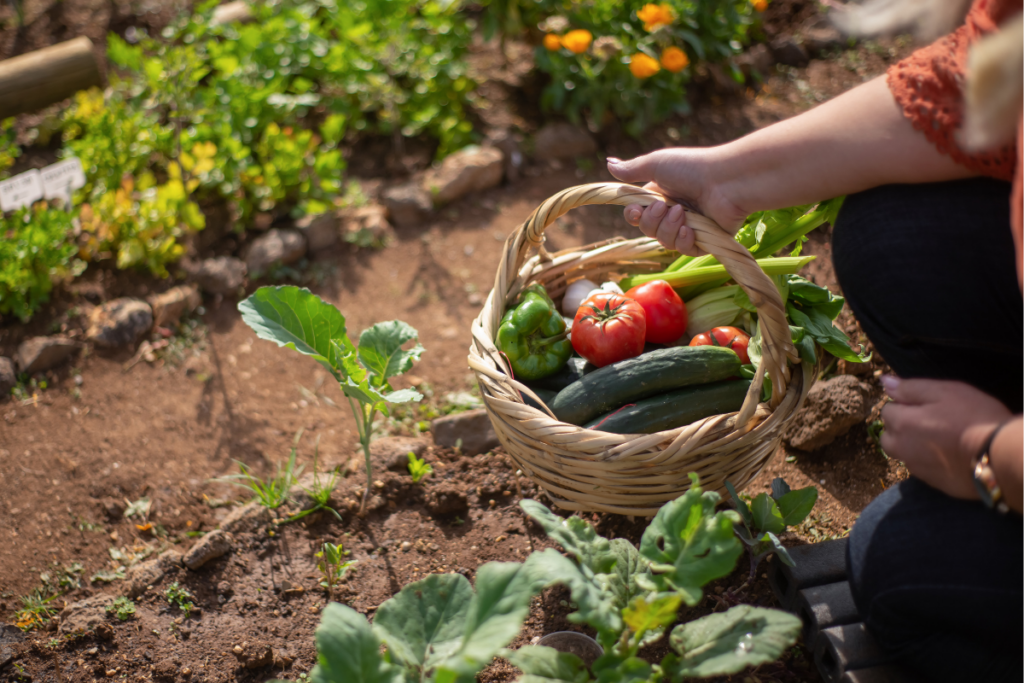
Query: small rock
<point>473,427</point>
<point>113,507</point>
<point>254,655</point>
<point>248,518</point>
<point>42,353</point>
<point>165,670</point>
<point>408,205</point>
<point>221,275</point>
<point>786,50</point>
<point>563,141</point>
<point>282,247</point>
<point>832,408</point>
<point>119,322</point>
<point>170,560</point>
<point>225,588</point>
<point>445,498</point>
<point>366,225</point>
<point>757,61</point>
<point>172,304</point>
<point>321,231</point>
<point>376,502</point>
<point>10,636</point>
<point>211,546</point>
<point>8,377</point>
<point>405,547</point>
<point>393,451</point>
<point>85,615</point>
<point>822,39</point>
<point>104,632</point>
<point>142,576</point>
<point>472,169</point>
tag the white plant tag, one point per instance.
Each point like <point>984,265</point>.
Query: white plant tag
<point>63,178</point>
<point>21,190</point>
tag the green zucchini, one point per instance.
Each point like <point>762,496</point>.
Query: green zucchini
<point>637,378</point>
<point>545,395</point>
<point>573,370</point>
<point>674,408</point>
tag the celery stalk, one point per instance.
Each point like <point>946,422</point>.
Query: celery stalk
<point>702,274</point>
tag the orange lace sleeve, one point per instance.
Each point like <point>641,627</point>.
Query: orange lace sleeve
<point>927,86</point>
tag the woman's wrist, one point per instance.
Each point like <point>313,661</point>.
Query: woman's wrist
<point>1006,458</point>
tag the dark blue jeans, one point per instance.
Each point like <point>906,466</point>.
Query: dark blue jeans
<point>929,271</point>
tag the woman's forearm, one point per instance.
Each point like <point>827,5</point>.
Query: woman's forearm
<point>854,142</point>
<point>1006,456</point>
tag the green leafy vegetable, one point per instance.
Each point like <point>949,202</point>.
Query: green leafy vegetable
<point>768,516</point>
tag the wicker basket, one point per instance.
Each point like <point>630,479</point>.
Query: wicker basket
<point>631,474</point>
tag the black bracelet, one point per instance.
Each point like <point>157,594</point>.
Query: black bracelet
<point>992,437</point>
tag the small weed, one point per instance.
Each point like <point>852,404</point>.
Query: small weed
<point>139,508</point>
<point>418,468</point>
<point>321,491</point>
<point>122,608</point>
<point>36,611</point>
<point>458,521</point>
<point>272,493</point>
<point>180,597</point>
<point>875,430</point>
<point>329,562</point>
<point>26,391</point>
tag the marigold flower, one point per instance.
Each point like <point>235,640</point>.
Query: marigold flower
<point>674,59</point>
<point>577,41</point>
<point>655,16</point>
<point>552,42</point>
<point>642,66</point>
<point>759,5</point>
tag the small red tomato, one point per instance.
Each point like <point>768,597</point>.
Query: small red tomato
<point>666,312</point>
<point>729,337</point>
<point>609,328</point>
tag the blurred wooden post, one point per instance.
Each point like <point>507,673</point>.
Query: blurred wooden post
<point>34,80</point>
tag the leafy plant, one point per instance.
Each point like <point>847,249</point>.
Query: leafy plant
<point>768,516</point>
<point>418,468</point>
<point>298,319</point>
<point>321,490</point>
<point>180,597</point>
<point>439,629</point>
<point>274,492</point>
<point>122,608</point>
<point>329,562</point>
<point>36,611</point>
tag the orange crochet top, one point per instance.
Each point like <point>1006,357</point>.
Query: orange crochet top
<point>927,86</point>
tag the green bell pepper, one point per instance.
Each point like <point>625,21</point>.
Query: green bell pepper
<point>532,336</point>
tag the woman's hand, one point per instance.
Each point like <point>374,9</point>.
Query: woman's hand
<point>937,428</point>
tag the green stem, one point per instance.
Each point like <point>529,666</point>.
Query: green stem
<point>702,274</point>
<point>364,439</point>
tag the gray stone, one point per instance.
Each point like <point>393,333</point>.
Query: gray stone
<point>142,576</point>
<point>169,306</point>
<point>84,615</point>
<point>119,322</point>
<point>248,518</point>
<point>408,205</point>
<point>366,225</point>
<point>393,451</point>
<point>321,231</point>
<point>215,544</point>
<point>8,377</point>
<point>786,50</point>
<point>221,275</point>
<point>42,353</point>
<point>833,407</point>
<point>471,431</point>
<point>562,141</point>
<point>277,247</point>
<point>10,636</point>
<point>472,169</point>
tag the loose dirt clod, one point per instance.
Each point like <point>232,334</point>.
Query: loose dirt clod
<point>213,545</point>
<point>85,615</point>
<point>832,408</point>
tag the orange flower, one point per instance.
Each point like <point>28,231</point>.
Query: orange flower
<point>759,5</point>
<point>674,59</point>
<point>655,16</point>
<point>642,66</point>
<point>577,41</point>
<point>552,42</point>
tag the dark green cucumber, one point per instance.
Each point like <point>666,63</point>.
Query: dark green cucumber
<point>674,409</point>
<point>637,378</point>
<point>570,372</point>
<point>545,395</point>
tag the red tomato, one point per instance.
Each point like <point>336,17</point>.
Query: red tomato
<point>609,328</point>
<point>729,337</point>
<point>666,312</point>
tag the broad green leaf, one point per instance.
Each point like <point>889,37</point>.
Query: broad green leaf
<point>425,622</point>
<point>363,392</point>
<point>300,320</point>
<point>349,651</point>
<point>403,396</point>
<point>766,514</point>
<point>595,606</point>
<point>688,544</point>
<point>780,550</point>
<point>741,505</point>
<point>796,505</point>
<point>643,615</point>
<point>725,643</point>
<point>621,580</point>
<point>613,668</point>
<point>779,488</point>
<point>381,353</point>
<point>575,535</point>
<point>547,665</point>
<point>810,294</point>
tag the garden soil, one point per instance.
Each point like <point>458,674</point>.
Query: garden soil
<point>103,435</point>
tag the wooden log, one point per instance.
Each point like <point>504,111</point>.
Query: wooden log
<point>37,79</point>
<point>231,12</point>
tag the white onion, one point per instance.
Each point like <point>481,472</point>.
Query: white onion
<point>575,293</point>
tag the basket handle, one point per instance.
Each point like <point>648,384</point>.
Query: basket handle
<point>776,342</point>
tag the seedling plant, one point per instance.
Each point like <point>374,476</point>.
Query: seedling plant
<point>272,493</point>
<point>441,629</point>
<point>36,611</point>
<point>180,597</point>
<point>122,608</point>
<point>321,489</point>
<point>418,468</point>
<point>296,318</point>
<point>768,516</point>
<point>329,562</point>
